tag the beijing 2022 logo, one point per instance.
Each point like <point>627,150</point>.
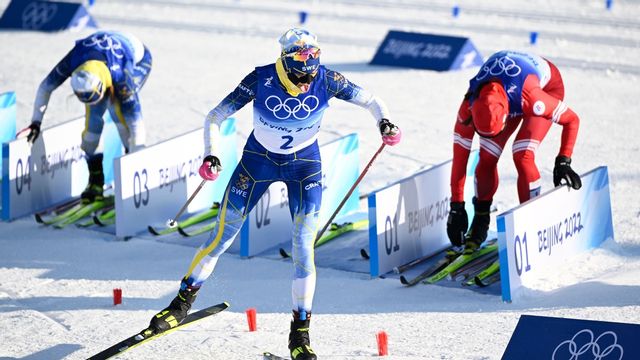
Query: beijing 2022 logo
<point>300,110</point>
<point>38,13</point>
<point>582,346</point>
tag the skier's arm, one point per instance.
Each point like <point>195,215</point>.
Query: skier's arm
<point>463,133</point>
<point>536,102</point>
<point>125,92</point>
<point>55,78</point>
<point>239,97</point>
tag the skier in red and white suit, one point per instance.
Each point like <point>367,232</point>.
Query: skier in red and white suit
<point>511,90</point>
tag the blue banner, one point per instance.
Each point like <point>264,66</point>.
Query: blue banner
<point>539,337</point>
<point>45,16</point>
<point>427,51</point>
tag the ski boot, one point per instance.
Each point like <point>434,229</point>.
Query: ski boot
<point>173,315</point>
<point>299,344</point>
<point>93,191</point>
<point>477,233</point>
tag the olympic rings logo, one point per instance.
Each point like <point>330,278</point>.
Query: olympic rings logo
<point>499,66</point>
<point>36,14</point>
<point>292,107</point>
<point>104,41</point>
<point>572,352</point>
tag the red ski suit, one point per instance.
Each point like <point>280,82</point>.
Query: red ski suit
<point>541,106</point>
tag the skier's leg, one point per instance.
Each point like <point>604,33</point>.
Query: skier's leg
<point>305,196</point>
<point>486,185</point>
<point>90,140</point>
<point>242,193</point>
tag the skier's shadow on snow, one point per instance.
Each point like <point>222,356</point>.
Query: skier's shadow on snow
<point>58,351</point>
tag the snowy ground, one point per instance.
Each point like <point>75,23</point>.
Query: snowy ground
<point>55,286</point>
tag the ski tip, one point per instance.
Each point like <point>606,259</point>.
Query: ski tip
<point>283,253</point>
<point>183,232</point>
<point>364,254</point>
<point>152,230</point>
<point>39,219</point>
<point>479,282</point>
<point>404,280</point>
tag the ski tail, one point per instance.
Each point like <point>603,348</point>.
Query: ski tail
<point>147,335</point>
<point>449,256</point>
<point>335,231</point>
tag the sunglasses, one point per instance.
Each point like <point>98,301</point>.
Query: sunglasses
<point>304,54</point>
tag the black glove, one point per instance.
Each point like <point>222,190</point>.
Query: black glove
<point>213,161</point>
<point>563,171</point>
<point>34,132</point>
<point>457,223</point>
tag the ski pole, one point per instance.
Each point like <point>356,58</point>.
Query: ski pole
<point>346,197</point>
<point>173,222</point>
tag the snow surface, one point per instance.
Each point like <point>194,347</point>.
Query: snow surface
<point>56,286</point>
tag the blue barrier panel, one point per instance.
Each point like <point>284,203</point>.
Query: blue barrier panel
<point>539,337</point>
<point>427,51</point>
<point>45,16</point>
<point>7,119</point>
<point>112,147</point>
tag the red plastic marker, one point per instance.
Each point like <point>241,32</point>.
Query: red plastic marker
<point>117,296</point>
<point>381,337</point>
<point>251,319</point>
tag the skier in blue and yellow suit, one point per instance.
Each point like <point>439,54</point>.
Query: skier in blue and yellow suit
<point>289,98</point>
<point>107,71</point>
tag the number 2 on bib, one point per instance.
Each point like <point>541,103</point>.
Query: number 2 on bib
<point>288,139</point>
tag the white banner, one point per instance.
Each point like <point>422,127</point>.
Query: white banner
<point>152,184</point>
<point>407,220</point>
<point>49,172</point>
<point>547,230</point>
<point>269,223</point>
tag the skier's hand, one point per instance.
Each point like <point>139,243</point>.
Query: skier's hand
<point>391,134</point>
<point>34,132</point>
<point>210,168</point>
<point>563,171</point>
<point>457,223</point>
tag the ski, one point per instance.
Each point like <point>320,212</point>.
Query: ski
<point>108,213</point>
<point>438,266</point>
<point>364,254</point>
<point>269,356</point>
<point>402,268</point>
<point>334,231</point>
<point>85,210</point>
<point>473,267</point>
<point>486,276</point>
<point>146,335</point>
<point>59,212</point>
<point>459,262</point>
<point>192,220</point>
<point>106,218</point>
<point>201,230</point>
